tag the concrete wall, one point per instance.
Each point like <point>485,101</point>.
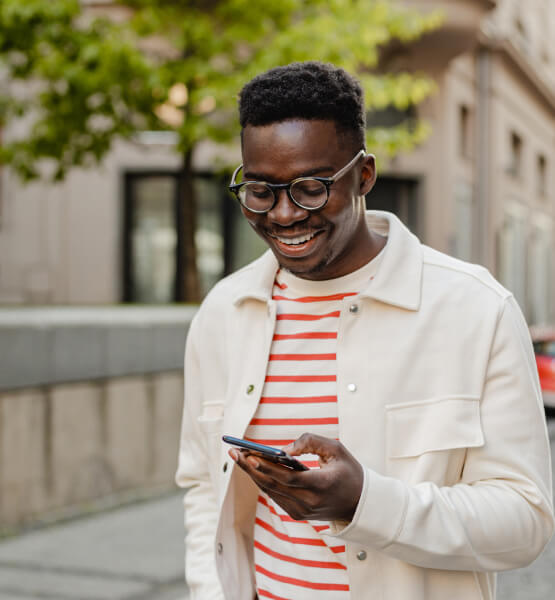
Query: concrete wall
<point>54,345</point>
<point>68,444</point>
<point>115,428</point>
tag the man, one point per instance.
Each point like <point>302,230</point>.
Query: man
<point>402,377</point>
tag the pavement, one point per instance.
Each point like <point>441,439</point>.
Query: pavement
<point>537,581</point>
<point>135,552</point>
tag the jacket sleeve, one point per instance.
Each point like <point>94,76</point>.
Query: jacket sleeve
<point>500,515</point>
<point>201,508</point>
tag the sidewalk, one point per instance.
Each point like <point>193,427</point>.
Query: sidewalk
<point>134,552</point>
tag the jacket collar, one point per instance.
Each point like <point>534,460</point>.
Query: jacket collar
<point>398,281</point>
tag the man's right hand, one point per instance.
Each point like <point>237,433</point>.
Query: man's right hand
<point>330,493</point>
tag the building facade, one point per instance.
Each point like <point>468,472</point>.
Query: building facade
<point>484,178</point>
<point>481,187</point>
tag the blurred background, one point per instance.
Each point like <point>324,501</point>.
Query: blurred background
<point>118,135</point>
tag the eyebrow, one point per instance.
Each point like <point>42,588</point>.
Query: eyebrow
<point>261,177</point>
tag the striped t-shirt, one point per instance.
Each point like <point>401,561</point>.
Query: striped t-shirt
<point>296,560</point>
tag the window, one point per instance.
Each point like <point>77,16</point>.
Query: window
<point>153,269</point>
<point>542,175</point>
<point>512,253</point>
<point>152,274</point>
<point>209,234</point>
<point>464,214</point>
<point>515,155</point>
<point>390,117</point>
<point>525,261</point>
<point>399,196</point>
<point>464,132</point>
<point>540,272</point>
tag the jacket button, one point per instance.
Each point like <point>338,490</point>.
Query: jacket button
<point>225,467</point>
<point>220,548</point>
<point>353,308</point>
<point>352,387</point>
<point>250,388</point>
<point>361,555</point>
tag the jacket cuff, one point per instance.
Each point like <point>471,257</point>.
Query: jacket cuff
<point>379,515</point>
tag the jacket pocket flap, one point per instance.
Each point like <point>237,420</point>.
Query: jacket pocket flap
<point>211,418</point>
<point>432,425</point>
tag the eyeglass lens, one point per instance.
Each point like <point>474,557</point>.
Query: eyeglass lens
<point>308,193</point>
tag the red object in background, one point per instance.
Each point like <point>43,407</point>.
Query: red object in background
<point>544,348</point>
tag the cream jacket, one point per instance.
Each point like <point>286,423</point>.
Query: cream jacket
<point>446,419</point>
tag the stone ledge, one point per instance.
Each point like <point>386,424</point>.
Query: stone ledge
<point>44,346</point>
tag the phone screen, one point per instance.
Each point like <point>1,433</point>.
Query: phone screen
<point>267,452</point>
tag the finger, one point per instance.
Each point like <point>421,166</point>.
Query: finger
<point>252,466</point>
<point>295,500</point>
<point>309,443</point>
<point>283,475</point>
<point>277,476</point>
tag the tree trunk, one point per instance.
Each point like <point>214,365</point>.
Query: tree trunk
<point>190,291</point>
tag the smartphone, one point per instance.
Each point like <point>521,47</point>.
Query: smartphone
<point>267,452</point>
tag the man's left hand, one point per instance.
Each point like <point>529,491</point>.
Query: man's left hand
<point>330,493</point>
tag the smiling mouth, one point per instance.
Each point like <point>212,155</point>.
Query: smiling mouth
<point>296,241</point>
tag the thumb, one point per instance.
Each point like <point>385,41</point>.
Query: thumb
<point>310,443</point>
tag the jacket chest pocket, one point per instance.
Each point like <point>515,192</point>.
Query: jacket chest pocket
<point>427,440</point>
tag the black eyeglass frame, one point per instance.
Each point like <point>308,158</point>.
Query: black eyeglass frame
<point>275,187</point>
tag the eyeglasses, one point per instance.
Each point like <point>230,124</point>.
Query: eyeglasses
<point>309,193</point>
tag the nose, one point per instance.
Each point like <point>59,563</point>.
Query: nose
<point>285,212</point>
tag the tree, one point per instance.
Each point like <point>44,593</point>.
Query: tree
<point>83,78</point>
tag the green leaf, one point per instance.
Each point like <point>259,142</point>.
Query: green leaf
<point>88,81</point>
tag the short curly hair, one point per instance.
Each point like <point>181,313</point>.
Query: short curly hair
<point>305,90</point>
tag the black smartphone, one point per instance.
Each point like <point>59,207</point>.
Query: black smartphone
<point>267,452</point>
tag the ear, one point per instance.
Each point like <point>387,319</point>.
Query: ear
<point>368,174</point>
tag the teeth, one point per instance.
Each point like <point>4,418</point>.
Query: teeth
<point>296,240</point>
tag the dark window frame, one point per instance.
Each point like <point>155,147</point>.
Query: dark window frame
<point>514,168</point>
<point>129,176</point>
<point>542,174</point>
<point>401,195</point>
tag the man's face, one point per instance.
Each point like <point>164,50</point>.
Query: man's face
<point>326,243</point>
